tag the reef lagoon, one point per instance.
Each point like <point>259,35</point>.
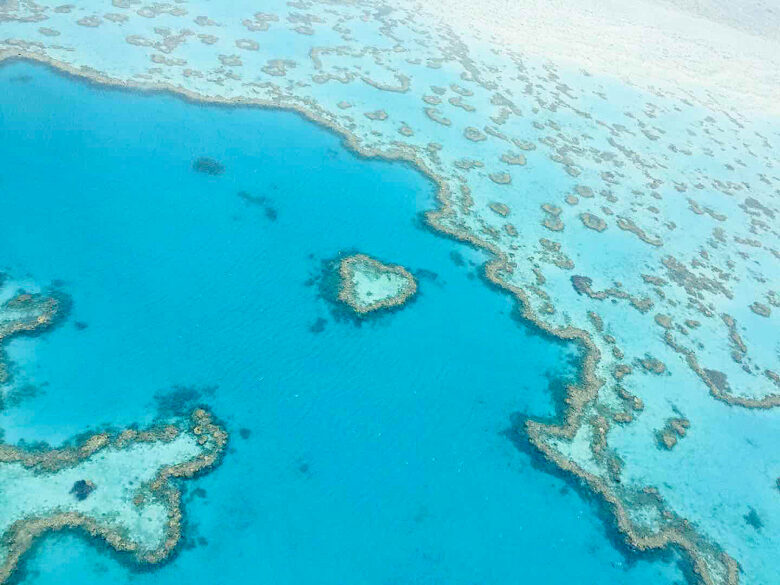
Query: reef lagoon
<point>379,451</point>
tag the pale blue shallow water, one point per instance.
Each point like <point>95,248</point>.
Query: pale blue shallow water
<point>377,453</point>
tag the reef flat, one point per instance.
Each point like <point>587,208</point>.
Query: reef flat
<point>24,313</point>
<point>369,285</point>
<point>113,486</point>
<point>638,220</point>
<point>117,487</point>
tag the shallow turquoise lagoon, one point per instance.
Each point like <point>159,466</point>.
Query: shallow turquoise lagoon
<point>368,453</point>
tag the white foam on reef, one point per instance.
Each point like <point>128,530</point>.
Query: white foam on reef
<point>640,220</point>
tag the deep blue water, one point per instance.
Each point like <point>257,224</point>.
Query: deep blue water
<point>370,454</point>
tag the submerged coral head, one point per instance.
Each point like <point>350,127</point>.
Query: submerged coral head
<point>82,488</point>
<point>208,166</point>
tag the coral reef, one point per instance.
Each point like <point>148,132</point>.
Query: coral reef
<point>368,285</point>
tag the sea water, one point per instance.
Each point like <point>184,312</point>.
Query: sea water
<point>361,452</point>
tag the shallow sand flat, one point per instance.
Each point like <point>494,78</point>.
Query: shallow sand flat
<point>26,494</point>
<point>727,48</point>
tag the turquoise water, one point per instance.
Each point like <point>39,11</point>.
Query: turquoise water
<point>360,454</point>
